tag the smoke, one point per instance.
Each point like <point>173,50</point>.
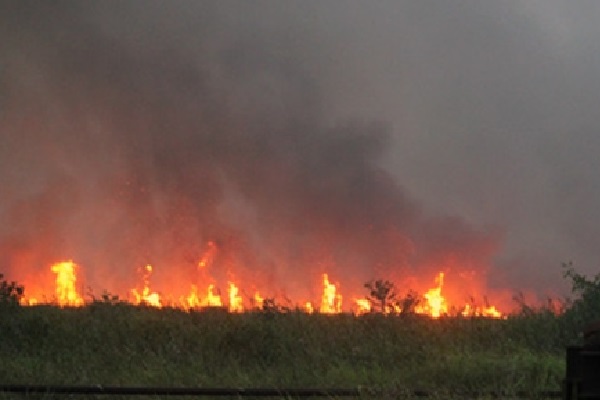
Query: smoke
<point>302,138</point>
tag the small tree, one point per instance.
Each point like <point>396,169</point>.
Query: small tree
<point>10,292</point>
<point>409,302</point>
<point>586,306</point>
<point>381,293</point>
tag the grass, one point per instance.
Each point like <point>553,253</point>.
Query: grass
<point>140,346</point>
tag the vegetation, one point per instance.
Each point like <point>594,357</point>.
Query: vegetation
<point>10,292</point>
<point>112,343</point>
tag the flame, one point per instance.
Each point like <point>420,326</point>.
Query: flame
<point>66,276</point>
<point>258,301</point>
<point>363,306</point>
<point>436,303</point>
<point>235,300</point>
<point>147,297</point>
<point>308,307</point>
<point>212,300</point>
<point>331,303</point>
<point>490,312</point>
<point>192,300</point>
<point>433,303</point>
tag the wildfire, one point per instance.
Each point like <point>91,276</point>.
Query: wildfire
<point>212,300</point>
<point>490,312</point>
<point>66,277</point>
<point>331,303</point>
<point>147,297</point>
<point>192,300</point>
<point>258,301</point>
<point>235,300</point>
<point>363,306</point>
<point>436,303</point>
<point>432,303</point>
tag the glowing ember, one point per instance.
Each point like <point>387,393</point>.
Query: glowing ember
<point>235,300</point>
<point>147,297</point>
<point>331,303</point>
<point>66,277</point>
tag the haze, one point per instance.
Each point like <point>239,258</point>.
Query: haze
<point>365,138</point>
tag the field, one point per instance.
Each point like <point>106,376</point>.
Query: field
<point>116,344</point>
<point>125,345</point>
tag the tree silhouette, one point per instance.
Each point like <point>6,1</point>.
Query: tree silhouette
<point>382,293</point>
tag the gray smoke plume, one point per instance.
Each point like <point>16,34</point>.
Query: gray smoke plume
<point>363,140</point>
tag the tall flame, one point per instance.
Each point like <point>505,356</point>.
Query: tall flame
<point>235,300</point>
<point>436,303</point>
<point>66,277</point>
<point>331,303</point>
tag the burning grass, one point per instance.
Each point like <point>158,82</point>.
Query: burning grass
<point>382,297</point>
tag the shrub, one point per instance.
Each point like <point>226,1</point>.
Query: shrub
<point>10,292</point>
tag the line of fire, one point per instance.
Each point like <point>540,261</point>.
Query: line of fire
<point>381,299</point>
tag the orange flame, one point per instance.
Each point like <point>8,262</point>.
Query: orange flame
<point>308,307</point>
<point>147,297</point>
<point>66,276</point>
<point>212,300</point>
<point>363,306</point>
<point>331,303</point>
<point>258,301</point>
<point>192,300</point>
<point>437,302</point>
<point>235,300</point>
<point>433,302</point>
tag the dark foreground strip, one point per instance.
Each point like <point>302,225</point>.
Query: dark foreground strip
<point>256,392</point>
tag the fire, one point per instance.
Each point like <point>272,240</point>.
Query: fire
<point>258,301</point>
<point>66,277</point>
<point>432,303</point>
<point>147,297</point>
<point>363,306</point>
<point>331,303</point>
<point>235,300</point>
<point>436,303</point>
<point>490,312</point>
<point>192,300</point>
<point>309,308</point>
<point>212,300</point>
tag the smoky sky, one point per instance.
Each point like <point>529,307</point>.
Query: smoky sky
<point>365,139</point>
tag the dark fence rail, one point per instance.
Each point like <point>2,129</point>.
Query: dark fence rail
<point>261,392</point>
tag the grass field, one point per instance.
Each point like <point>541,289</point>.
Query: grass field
<point>116,344</point>
<point>126,345</point>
